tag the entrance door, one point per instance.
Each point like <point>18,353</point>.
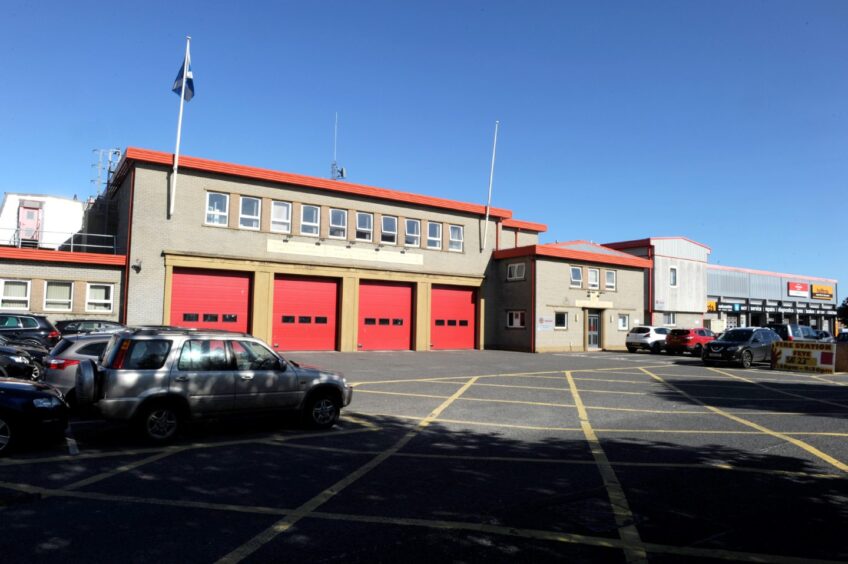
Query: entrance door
<point>594,330</point>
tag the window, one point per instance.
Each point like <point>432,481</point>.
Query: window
<point>388,231</point>
<point>669,318</point>
<point>98,297</point>
<point>576,277</point>
<point>594,279</point>
<point>623,322</point>
<point>250,212</point>
<point>609,282</point>
<point>253,356</point>
<point>203,356</point>
<point>310,220</point>
<point>143,355</point>
<point>58,296</point>
<point>515,319</point>
<point>434,235</point>
<point>281,217</point>
<point>338,224</point>
<point>15,294</point>
<point>515,271</point>
<point>456,236</point>
<point>364,226</point>
<point>413,233</point>
<point>672,276</point>
<point>217,208</point>
<point>560,320</point>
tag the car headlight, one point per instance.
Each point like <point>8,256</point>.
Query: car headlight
<point>46,403</point>
<point>19,359</point>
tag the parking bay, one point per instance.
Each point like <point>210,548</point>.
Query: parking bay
<point>465,456</point>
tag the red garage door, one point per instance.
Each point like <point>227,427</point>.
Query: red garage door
<point>305,313</point>
<point>210,299</point>
<point>385,316</point>
<point>452,323</point>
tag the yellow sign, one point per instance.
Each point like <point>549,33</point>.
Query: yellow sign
<point>822,292</point>
<point>800,356</point>
<point>712,306</point>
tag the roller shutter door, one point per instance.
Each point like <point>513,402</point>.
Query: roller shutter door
<point>305,313</point>
<point>385,316</point>
<point>453,315</point>
<point>210,299</point>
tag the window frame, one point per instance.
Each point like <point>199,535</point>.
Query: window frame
<point>516,319</point>
<point>343,226</point>
<point>88,299</point>
<point>451,239</point>
<point>369,230</point>
<point>429,238</point>
<point>225,214</point>
<point>406,233</point>
<point>607,285</point>
<point>316,224</point>
<point>563,327</point>
<point>597,285</point>
<point>257,218</point>
<point>384,231</point>
<point>672,318</point>
<point>673,277</point>
<point>575,283</point>
<point>3,297</point>
<point>288,222</point>
<point>519,266</point>
<point>70,300</point>
<point>626,318</point>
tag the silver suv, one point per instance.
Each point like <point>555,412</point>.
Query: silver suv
<point>646,337</point>
<point>159,378</point>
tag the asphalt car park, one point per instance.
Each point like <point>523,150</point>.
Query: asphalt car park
<point>464,456</point>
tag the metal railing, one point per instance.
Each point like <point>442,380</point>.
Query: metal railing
<point>58,240</point>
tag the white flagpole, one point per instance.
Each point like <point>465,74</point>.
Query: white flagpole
<point>179,132</point>
<point>491,177</point>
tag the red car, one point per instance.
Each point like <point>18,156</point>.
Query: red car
<point>693,341</point>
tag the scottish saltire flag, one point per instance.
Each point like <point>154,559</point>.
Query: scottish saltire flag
<point>189,83</point>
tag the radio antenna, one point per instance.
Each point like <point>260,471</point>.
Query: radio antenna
<point>336,173</point>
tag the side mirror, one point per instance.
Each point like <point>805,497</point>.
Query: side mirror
<point>282,365</point>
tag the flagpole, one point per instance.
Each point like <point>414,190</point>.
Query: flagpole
<point>491,177</point>
<point>179,132</point>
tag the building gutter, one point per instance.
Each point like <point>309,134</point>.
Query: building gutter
<point>650,320</point>
<point>124,313</point>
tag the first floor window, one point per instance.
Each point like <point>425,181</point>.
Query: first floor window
<point>388,231</point>
<point>217,208</point>
<point>515,271</point>
<point>609,282</point>
<point>98,297</point>
<point>413,233</point>
<point>58,296</point>
<point>249,216</point>
<point>310,220</point>
<point>623,322</point>
<point>669,318</point>
<point>515,319</point>
<point>672,276</point>
<point>434,235</point>
<point>15,294</point>
<point>594,279</point>
<point>281,217</point>
<point>456,238</point>
<point>576,277</point>
<point>560,320</point>
<point>338,224</point>
<point>364,226</point>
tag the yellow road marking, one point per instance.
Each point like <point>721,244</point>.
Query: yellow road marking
<point>121,469</point>
<point>438,378</point>
<point>784,392</point>
<point>782,436</point>
<point>820,379</point>
<point>627,531</point>
<point>482,400</point>
<point>311,505</point>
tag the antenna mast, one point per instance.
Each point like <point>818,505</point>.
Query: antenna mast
<point>491,177</point>
<point>336,173</point>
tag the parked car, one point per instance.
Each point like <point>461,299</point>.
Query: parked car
<point>15,363</point>
<point>743,345</point>
<point>62,362</point>
<point>74,326</point>
<point>28,409</point>
<point>692,341</point>
<point>842,337</point>
<point>646,337</point>
<point>159,378</point>
<point>825,337</point>
<point>36,353</point>
<point>29,329</point>
<point>794,331</point>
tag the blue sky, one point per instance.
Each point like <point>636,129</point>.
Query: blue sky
<point>723,121</point>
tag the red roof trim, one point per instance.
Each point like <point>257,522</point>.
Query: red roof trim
<point>218,167</point>
<point>557,252</point>
<point>525,225</point>
<point>767,273</point>
<point>42,255</point>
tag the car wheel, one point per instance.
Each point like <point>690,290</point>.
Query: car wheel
<point>631,349</point>
<point>321,411</point>
<point>37,371</point>
<point>8,434</point>
<point>656,348</point>
<point>747,359</point>
<point>159,422</point>
<point>698,351</point>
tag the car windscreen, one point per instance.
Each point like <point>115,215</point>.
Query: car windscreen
<point>737,335</point>
<point>640,330</point>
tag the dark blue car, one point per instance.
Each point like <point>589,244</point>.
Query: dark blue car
<point>29,410</point>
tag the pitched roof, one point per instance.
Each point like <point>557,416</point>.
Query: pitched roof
<point>576,250</point>
<point>525,225</point>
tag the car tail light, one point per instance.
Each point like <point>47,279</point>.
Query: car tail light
<point>53,335</point>
<point>60,363</point>
<point>790,338</point>
<point>689,338</point>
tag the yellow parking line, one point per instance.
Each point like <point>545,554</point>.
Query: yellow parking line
<point>438,378</point>
<point>121,469</point>
<point>482,400</point>
<point>627,531</point>
<point>782,436</point>
<point>310,506</point>
<point>820,379</point>
<point>784,392</point>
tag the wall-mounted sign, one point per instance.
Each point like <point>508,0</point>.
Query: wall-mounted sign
<point>804,356</point>
<point>711,306</point>
<point>545,324</point>
<point>798,289</point>
<point>822,292</point>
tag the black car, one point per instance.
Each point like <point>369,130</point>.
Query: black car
<point>29,329</point>
<point>842,337</point>
<point>744,345</point>
<point>27,410</point>
<point>74,326</point>
<point>36,352</point>
<point>15,363</point>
